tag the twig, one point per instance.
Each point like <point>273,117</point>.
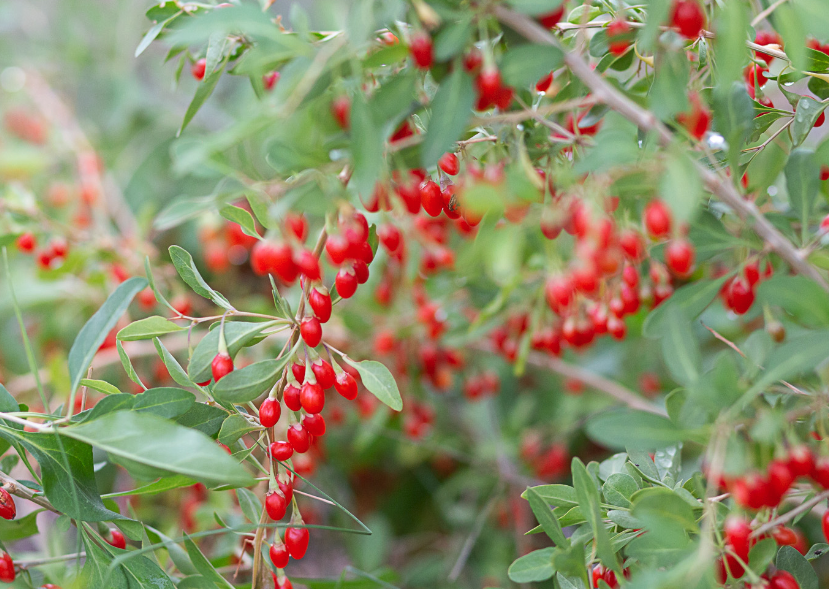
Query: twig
<point>15,488</point>
<point>607,94</point>
<point>805,506</point>
<point>469,544</point>
<point>763,15</point>
<point>24,564</point>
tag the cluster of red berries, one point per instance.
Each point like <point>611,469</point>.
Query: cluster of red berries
<point>738,292</point>
<point>600,573</point>
<point>548,462</point>
<point>688,18</point>
<point>199,68</point>
<point>49,257</point>
<point>348,249</point>
<point>225,245</point>
<point>738,543</point>
<point>479,386</point>
<point>618,36</point>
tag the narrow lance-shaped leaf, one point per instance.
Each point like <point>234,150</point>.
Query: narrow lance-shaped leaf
<point>379,382</point>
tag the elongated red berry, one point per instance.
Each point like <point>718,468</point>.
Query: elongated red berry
<point>784,536</point>
<point>389,236</point>
<point>296,539</point>
<point>6,568</point>
<point>448,162</point>
<point>298,370</point>
<point>341,109</point>
<point>221,366</point>
<point>198,69</point>
<point>688,18</point>
<point>783,580</point>
<point>544,83</point>
<point>315,424</point>
<point>298,438</point>
<point>269,412</point>
<point>421,49</point>
<point>551,19</point>
<point>311,331</point>
<point>740,295</point>
<point>618,36</point>
<point>291,397</point>
<point>268,257</point>
<point>287,487</point>
<point>312,397</point>
<point>279,555</point>
<point>270,79</point>
<point>26,243</point>
<point>679,257</point>
<point>737,532</point>
<point>276,505</point>
<point>117,539</point>
<point>346,283</point>
<point>281,450</point>
<point>657,219</point>
<point>825,525</point>
<point>297,225</point>
<point>431,198</point>
<point>308,265</point>
<point>324,373</point>
<point>8,510</point>
<point>320,301</point>
<point>346,386</point>
<point>282,582</point>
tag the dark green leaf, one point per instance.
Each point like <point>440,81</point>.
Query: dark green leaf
<point>526,64</point>
<point>241,386</point>
<point>556,495</point>
<point>153,33</point>
<point>234,427</point>
<point>173,367</point>
<point>453,38</point>
<point>378,381</point>
<point>241,217</point>
<point>792,561</point>
<point>451,109</point>
<point>807,112</point>
<point>366,147</point>
<point>17,529</point>
<point>618,489</point>
<point>800,297</point>
<point>204,418</point>
<point>545,517</point>
<point>679,347</point>
<point>635,429</point>
<point>250,504</point>
<point>203,92</point>
<point>167,402</point>
<point>803,184</point>
<point>588,496</point>
<point>692,299</point>
<point>533,567</point>
<point>186,268</point>
<point>203,565</point>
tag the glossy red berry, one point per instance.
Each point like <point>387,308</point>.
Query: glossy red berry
<point>8,510</point>
<point>750,491</point>
<point>551,19</point>
<point>269,412</point>
<point>276,505</point>
<point>298,370</point>
<point>320,301</point>
<point>299,438</point>
<point>618,36</point>
<point>389,236</point>
<point>544,83</point>
<point>198,69</point>
<point>291,397</point>
<point>275,258</point>
<point>346,283</point>
<point>311,331</point>
<point>740,295</point>
<point>346,385</point>
<point>679,257</point>
<point>270,79</point>
<point>488,84</point>
<point>783,580</point>
<point>448,162</point>
<point>26,243</point>
<point>341,109</point>
<point>801,461</point>
<point>279,555</point>
<point>308,265</point>
<point>281,451</point>
<point>337,248</point>
<point>282,582</point>
<point>431,199</point>
<point>737,532</point>
<point>824,522</point>
<point>688,18</point>
<point>312,397</point>
<point>287,488</point>
<point>221,366</point>
<point>6,568</point>
<point>296,539</point>
<point>315,424</point>
<point>780,478</point>
<point>117,539</point>
<point>784,536</point>
<point>324,373</point>
<point>420,48</point>
<point>657,218</point>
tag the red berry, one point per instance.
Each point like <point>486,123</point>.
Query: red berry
<point>472,60</point>
<point>544,83</point>
<point>688,18</point>
<point>766,38</point>
<point>117,539</point>
<point>296,539</point>
<point>825,525</point>
<point>618,36</point>
<point>820,120</point>
<point>279,555</point>
<point>737,531</point>
<point>488,84</point>
<point>420,48</point>
<point>801,461</point>
<point>312,397</point>
<point>268,257</point>
<point>431,198</point>
<point>341,109</point>
<point>269,412</point>
<point>657,219</point>
<point>679,257</point>
<point>360,269</point>
<point>8,510</point>
<point>740,296</point>
<point>784,536</point>
<point>324,373</point>
<point>282,582</point>
<point>320,302</point>
<point>299,438</point>
<point>6,568</point>
<point>337,248</point>
<point>551,19</point>
<point>751,491</point>
<point>280,451</point>
<point>198,69</point>
<point>270,79</point>
<point>291,398</point>
<point>308,265</point>
<point>448,162</point>
<point>298,370</point>
<point>287,488</point>
<point>632,245</point>
<point>346,283</point>
<point>221,366</point>
<point>26,243</point>
<point>276,505</point>
<point>346,385</point>
<point>315,424</point>
<point>389,236</point>
<point>783,580</point>
<point>311,331</point>
<point>780,478</point>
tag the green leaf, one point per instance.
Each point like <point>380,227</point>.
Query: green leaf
<point>67,473</point>
<point>692,299</point>
<point>173,367</point>
<point>791,28</point>
<point>234,427</point>
<point>729,46</point>
<point>533,567</point>
<point>378,381</point>
<point>93,334</point>
<point>556,495</point>
<point>635,429</point>
<point>17,529</point>
<point>186,268</point>
<point>792,561</point>
<point>156,487</point>
<point>796,356</point>
<point>153,33</point>
<point>807,112</point>
<point>453,38</point>
<point>545,517</point>
<point>618,489</point>
<point>167,402</point>
<point>658,507</point>
<point>241,386</point>
<point>679,347</point>
<point>798,296</point>
<point>734,116</point>
<point>535,7</point>
<point>250,504</point>
<point>241,217</point>
<point>203,565</point>
<point>100,386</point>
<point>158,443</point>
<point>803,184</point>
<point>681,186</point>
<point>238,334</point>
<point>204,418</point>
<point>451,109</point>
<point>762,554</point>
<point>588,496</point>
<point>386,56</point>
<point>366,147</point>
<point>203,92</point>
<point>816,551</point>
<point>127,364</point>
<point>148,328</point>
<point>526,64</point>
<point>110,404</point>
